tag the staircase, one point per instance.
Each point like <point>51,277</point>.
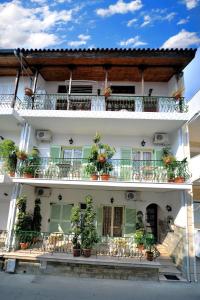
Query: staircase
<point>167,267</point>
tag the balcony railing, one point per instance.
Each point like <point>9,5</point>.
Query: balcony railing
<point>6,101</point>
<point>124,170</point>
<point>100,103</point>
<point>60,242</point>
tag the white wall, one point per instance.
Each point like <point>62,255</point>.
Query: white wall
<point>4,205</point>
<point>82,140</point>
<point>102,197</point>
<point>11,135</point>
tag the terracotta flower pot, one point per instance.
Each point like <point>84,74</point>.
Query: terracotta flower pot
<point>105,177</point>
<point>179,179</point>
<point>24,246</point>
<point>87,252</point>
<point>28,175</point>
<point>28,92</point>
<point>76,252</point>
<point>12,174</point>
<point>94,177</point>
<point>149,255</point>
<point>171,180</point>
<point>101,159</point>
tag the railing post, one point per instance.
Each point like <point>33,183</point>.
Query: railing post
<point>16,88</point>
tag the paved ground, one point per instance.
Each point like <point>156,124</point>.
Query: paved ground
<point>14,287</point>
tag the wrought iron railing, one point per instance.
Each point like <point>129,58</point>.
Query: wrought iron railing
<point>6,101</point>
<point>60,242</point>
<point>3,239</point>
<point>100,103</point>
<point>75,169</point>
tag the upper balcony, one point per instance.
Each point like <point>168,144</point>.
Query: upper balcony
<point>84,102</point>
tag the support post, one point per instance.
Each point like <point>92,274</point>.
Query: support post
<point>12,216</point>
<point>16,88</point>
<point>34,86</point>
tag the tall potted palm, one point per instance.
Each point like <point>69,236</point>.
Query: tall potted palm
<point>76,229</point>
<point>89,235</point>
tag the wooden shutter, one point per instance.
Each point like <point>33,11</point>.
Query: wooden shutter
<point>126,164</point>
<point>55,153</point>
<point>130,221</point>
<point>99,223</point>
<point>60,218</point>
<point>158,157</point>
<point>65,218</point>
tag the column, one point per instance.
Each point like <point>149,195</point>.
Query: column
<point>16,88</point>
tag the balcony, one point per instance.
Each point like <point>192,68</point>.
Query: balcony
<point>6,101</point>
<point>124,170</point>
<point>100,103</point>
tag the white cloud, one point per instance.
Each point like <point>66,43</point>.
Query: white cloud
<point>190,4</point>
<point>82,41</point>
<point>183,21</point>
<point>147,20</point>
<point>183,39</point>
<point>131,22</point>
<point>170,16</point>
<point>120,7</point>
<point>29,27</point>
<point>132,42</point>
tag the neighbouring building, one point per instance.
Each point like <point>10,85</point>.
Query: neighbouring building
<point>144,113</point>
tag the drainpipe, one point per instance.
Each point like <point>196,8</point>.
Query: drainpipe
<point>16,89</point>
<point>34,86</point>
<point>184,201</point>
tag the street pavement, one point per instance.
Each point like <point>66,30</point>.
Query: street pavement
<point>31,287</point>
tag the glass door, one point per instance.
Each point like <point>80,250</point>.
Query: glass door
<point>112,221</point>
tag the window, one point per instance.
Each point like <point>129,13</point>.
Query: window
<point>60,218</point>
<point>75,89</point>
<point>122,89</point>
<point>112,221</point>
<point>72,155</point>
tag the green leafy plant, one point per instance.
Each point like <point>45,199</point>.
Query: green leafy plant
<point>31,163</point>
<point>76,226</point>
<point>37,218</point>
<point>149,241</point>
<point>8,151</point>
<point>89,235</point>
<point>23,226</point>
<point>139,237</point>
<point>99,160</point>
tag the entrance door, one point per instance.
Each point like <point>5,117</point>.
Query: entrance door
<point>112,221</point>
<point>151,219</point>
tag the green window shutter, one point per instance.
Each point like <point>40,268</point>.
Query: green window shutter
<point>158,157</point>
<point>99,218</point>
<point>130,221</point>
<point>55,153</point>
<point>65,218</point>
<point>126,163</point>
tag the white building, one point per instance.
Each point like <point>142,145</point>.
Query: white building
<point>143,115</point>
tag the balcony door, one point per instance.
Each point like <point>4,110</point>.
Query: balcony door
<point>60,218</point>
<point>112,221</point>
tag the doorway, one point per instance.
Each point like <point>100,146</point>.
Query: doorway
<point>151,219</point>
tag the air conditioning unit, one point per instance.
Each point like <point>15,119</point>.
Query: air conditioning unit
<point>43,135</point>
<point>42,192</point>
<point>130,195</point>
<point>161,139</point>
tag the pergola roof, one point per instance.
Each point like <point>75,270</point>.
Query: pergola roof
<point>90,64</point>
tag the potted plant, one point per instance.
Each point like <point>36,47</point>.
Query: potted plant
<point>91,169</point>
<point>88,229</point>
<point>139,238</point>
<point>107,92</point>
<point>149,243</point>
<point>170,163</point>
<point>8,151</point>
<point>22,155</point>
<point>28,91</point>
<point>181,171</point>
<point>76,230</point>
<point>23,226</point>
<point>99,160</point>
<point>30,164</point>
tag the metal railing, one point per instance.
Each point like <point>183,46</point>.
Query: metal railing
<point>100,103</point>
<point>3,239</point>
<point>75,169</point>
<point>6,101</point>
<point>59,242</point>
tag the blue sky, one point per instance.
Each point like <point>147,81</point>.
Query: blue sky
<point>99,23</point>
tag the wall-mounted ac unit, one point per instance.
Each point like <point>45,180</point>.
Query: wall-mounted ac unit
<point>43,135</point>
<point>130,196</point>
<point>42,192</point>
<point>161,139</point>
